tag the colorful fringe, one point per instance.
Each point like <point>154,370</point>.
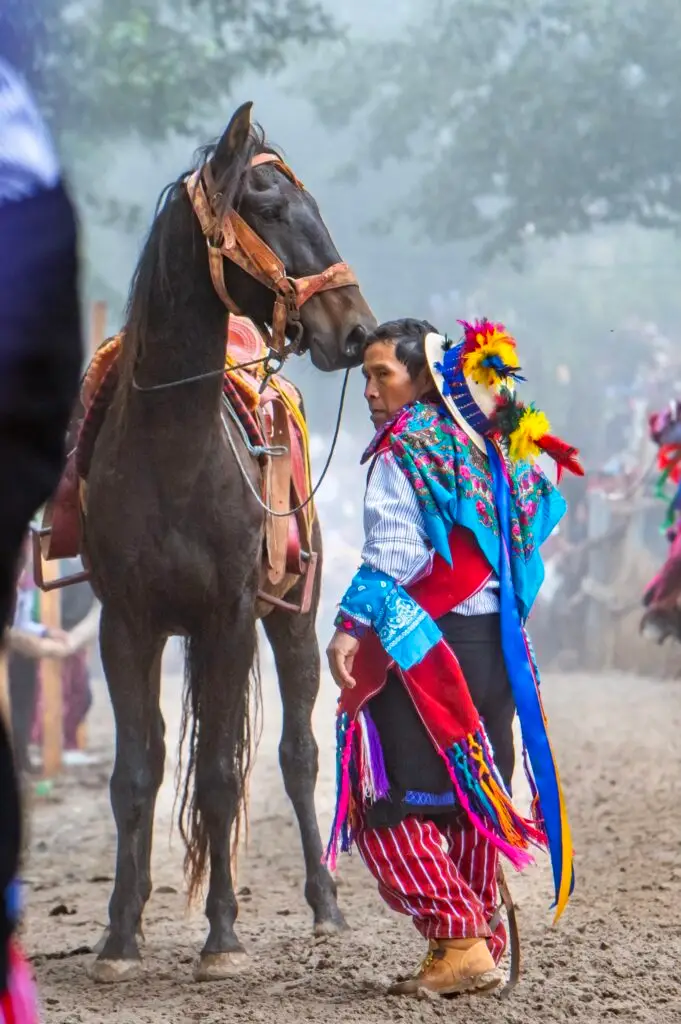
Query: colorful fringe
<point>341,835</point>
<point>19,1004</point>
<point>483,796</point>
<point>475,777</point>
<point>373,778</point>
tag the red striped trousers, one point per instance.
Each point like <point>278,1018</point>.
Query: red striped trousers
<point>444,877</point>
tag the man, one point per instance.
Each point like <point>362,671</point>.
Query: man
<point>40,360</point>
<point>430,644</point>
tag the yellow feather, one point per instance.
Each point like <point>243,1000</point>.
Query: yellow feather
<point>522,443</point>
<point>495,344</point>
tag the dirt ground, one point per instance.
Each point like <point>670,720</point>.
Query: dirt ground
<point>615,955</point>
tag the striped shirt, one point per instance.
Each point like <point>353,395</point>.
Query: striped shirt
<point>396,542</point>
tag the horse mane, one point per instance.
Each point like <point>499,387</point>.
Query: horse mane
<point>174,219</point>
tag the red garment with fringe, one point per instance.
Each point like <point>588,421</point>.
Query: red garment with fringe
<point>439,692</point>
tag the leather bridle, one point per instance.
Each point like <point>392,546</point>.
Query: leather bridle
<point>231,238</point>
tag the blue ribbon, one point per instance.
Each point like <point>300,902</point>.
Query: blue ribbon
<point>524,684</point>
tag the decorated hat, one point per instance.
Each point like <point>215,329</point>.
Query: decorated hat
<point>476,378</point>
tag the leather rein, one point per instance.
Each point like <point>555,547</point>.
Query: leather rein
<point>233,239</point>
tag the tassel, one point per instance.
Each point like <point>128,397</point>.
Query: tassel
<point>340,838</point>
<point>483,796</point>
<point>374,784</point>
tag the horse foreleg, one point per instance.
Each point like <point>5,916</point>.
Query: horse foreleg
<point>296,654</point>
<point>132,664</point>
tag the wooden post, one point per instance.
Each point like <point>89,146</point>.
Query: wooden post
<point>97,326</point>
<point>50,681</point>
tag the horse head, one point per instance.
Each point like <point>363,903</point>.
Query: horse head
<point>279,265</point>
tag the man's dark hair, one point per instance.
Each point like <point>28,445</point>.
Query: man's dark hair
<point>408,336</point>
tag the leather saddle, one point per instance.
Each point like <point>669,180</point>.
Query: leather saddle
<point>269,416</point>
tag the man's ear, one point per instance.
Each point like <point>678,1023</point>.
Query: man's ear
<point>425,382</point>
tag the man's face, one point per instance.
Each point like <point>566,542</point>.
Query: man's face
<point>388,384</point>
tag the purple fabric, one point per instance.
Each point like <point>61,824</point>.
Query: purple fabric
<point>381,784</point>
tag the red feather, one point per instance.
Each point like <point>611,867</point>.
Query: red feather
<point>566,456</point>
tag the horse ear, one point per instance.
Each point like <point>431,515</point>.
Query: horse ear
<point>233,142</point>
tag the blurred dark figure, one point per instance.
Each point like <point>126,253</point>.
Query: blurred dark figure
<point>40,360</point>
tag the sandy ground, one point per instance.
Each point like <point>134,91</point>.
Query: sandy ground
<point>616,954</point>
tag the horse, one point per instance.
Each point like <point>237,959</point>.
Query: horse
<point>173,529</point>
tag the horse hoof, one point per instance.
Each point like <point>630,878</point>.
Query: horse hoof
<point>218,966</point>
<point>112,972</point>
<point>332,926</point>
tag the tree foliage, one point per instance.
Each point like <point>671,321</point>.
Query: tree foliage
<point>529,117</point>
<point>110,70</point>
<point>103,69</point>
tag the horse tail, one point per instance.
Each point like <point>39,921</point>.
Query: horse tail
<point>235,709</point>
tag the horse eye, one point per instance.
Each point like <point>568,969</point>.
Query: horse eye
<point>270,205</point>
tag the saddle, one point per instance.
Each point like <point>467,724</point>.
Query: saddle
<point>269,417</point>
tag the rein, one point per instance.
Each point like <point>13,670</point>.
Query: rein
<point>210,374</point>
<point>327,464</point>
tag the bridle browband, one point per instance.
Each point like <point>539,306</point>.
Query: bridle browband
<point>233,239</point>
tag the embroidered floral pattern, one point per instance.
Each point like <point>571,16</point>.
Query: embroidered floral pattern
<point>436,454</point>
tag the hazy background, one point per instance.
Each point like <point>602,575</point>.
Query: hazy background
<point>519,160</point>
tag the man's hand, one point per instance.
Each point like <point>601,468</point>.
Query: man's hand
<point>52,646</point>
<point>341,654</point>
<point>60,635</point>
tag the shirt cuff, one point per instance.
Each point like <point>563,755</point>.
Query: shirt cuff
<point>353,627</point>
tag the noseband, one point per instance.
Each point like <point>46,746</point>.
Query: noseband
<point>233,239</point>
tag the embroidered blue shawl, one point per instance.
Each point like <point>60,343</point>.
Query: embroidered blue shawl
<point>454,484</point>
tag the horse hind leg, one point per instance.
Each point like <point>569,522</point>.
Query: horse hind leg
<point>132,664</point>
<point>219,664</point>
<point>296,653</point>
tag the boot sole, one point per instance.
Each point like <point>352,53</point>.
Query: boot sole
<point>480,985</point>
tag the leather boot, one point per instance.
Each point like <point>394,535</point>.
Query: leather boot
<point>453,966</point>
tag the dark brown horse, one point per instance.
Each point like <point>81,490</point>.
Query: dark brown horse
<point>174,537</point>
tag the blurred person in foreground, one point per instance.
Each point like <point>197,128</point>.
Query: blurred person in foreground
<point>40,360</point>
<point>431,643</point>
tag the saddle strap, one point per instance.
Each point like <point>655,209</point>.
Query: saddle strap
<point>278,475</point>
